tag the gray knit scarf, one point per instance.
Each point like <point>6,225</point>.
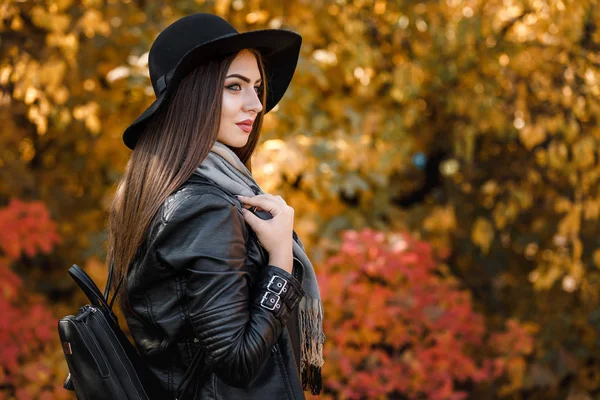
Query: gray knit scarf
<point>223,167</point>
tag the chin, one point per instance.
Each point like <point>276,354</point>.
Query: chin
<point>235,141</point>
<point>238,143</point>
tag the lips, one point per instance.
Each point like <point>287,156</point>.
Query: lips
<point>245,126</point>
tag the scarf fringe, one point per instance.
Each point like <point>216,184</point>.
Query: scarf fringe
<point>310,320</point>
<point>312,377</point>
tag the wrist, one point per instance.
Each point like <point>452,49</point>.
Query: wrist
<point>283,260</point>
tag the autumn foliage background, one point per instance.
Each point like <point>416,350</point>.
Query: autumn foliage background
<point>441,157</point>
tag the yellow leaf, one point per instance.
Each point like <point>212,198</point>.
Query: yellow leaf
<point>597,258</point>
<point>482,234</point>
<point>577,249</point>
<point>442,219</point>
<point>532,135</point>
<point>548,277</point>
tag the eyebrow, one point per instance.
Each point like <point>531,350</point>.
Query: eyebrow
<point>242,77</point>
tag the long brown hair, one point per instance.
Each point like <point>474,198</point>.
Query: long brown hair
<point>172,146</point>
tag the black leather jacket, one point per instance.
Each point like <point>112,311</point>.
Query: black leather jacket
<point>202,281</point>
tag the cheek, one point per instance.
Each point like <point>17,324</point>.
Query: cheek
<point>230,106</point>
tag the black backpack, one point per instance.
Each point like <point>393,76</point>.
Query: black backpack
<point>103,364</point>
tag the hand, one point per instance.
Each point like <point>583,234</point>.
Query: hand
<point>274,234</point>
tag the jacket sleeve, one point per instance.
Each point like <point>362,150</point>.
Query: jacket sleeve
<point>205,238</point>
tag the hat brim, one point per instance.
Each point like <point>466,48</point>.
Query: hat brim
<point>279,50</point>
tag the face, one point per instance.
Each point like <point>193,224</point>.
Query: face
<point>241,102</point>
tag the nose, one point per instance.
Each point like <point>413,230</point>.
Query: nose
<point>252,102</point>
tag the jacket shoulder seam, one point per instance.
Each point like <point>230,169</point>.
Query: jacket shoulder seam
<point>173,203</point>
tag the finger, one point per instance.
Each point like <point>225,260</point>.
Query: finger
<point>251,207</point>
<point>281,200</point>
<point>251,219</point>
<point>262,201</point>
<point>259,196</point>
<point>276,198</point>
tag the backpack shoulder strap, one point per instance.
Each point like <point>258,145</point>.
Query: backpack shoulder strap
<point>88,286</point>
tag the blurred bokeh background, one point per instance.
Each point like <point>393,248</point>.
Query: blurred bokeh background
<point>442,158</point>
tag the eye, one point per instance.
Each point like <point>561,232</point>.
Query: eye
<point>235,87</point>
<point>258,89</point>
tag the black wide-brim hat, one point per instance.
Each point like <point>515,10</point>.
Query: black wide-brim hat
<point>198,38</point>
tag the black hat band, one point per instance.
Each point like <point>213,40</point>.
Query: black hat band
<point>162,82</point>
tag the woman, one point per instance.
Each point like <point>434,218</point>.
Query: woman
<point>206,272</point>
